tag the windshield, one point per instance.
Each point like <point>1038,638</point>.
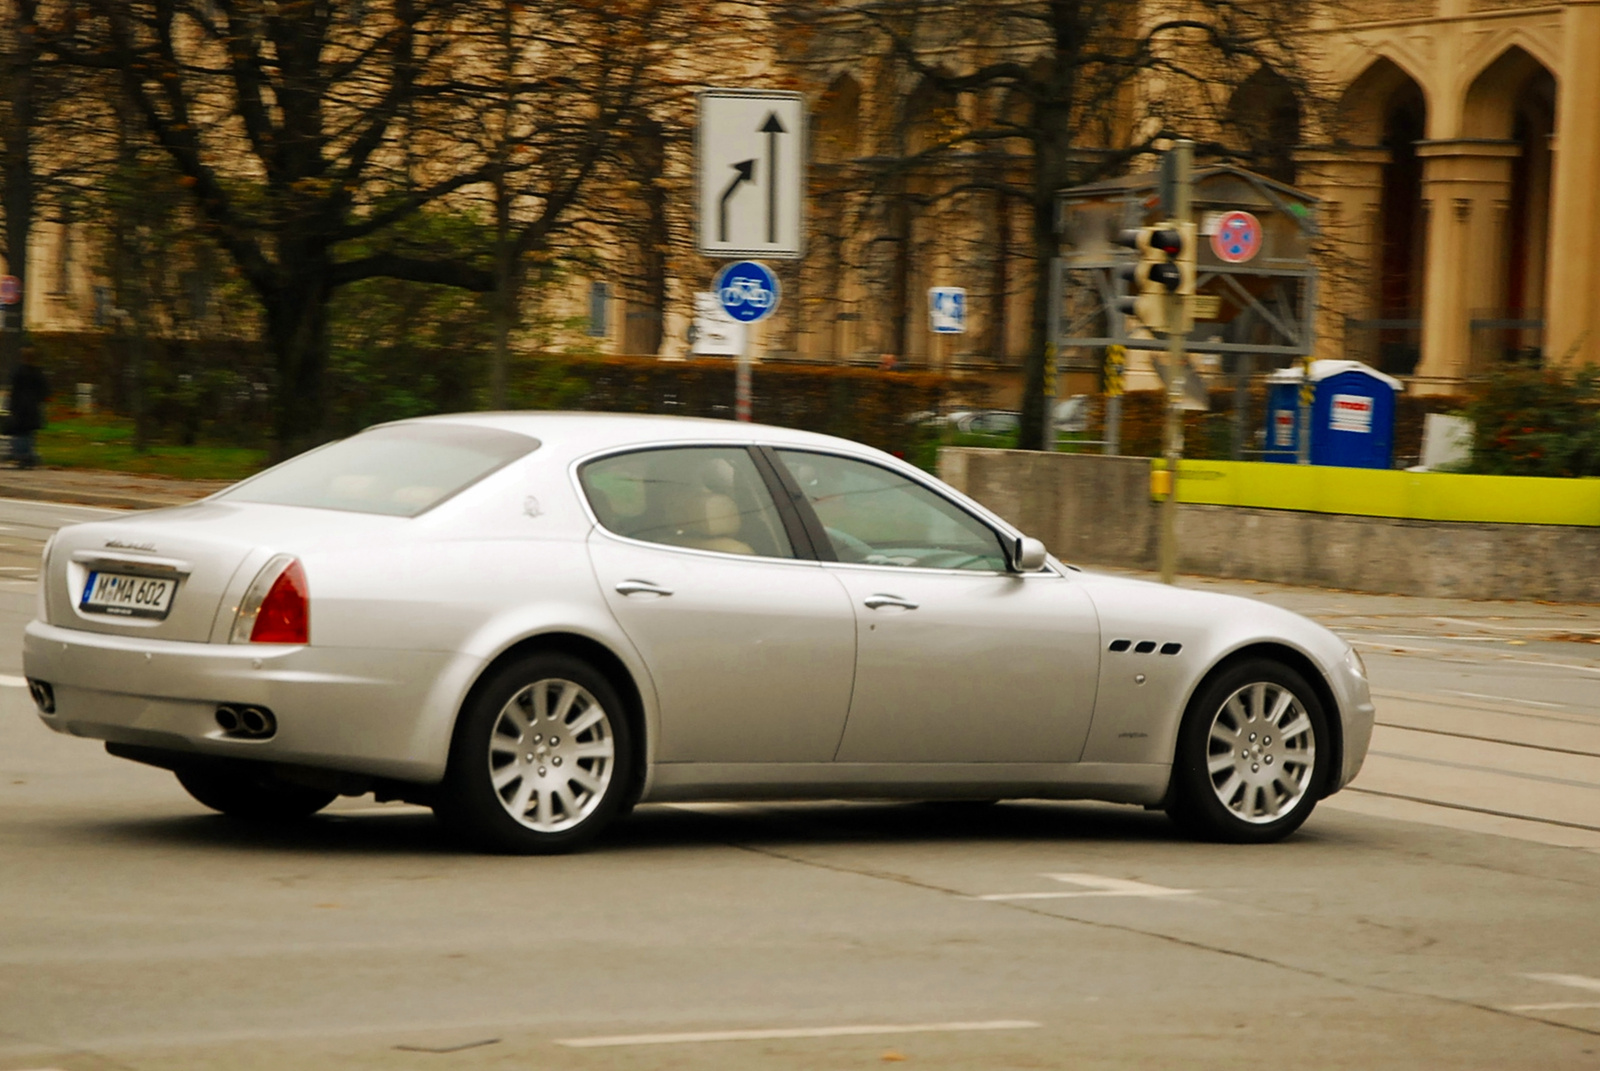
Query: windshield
<point>400,470</point>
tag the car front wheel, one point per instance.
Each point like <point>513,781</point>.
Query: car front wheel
<point>541,759</point>
<point>1252,755</point>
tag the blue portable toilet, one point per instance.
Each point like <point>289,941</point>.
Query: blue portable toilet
<point>1352,415</point>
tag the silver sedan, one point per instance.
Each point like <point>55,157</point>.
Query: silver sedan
<point>531,622</point>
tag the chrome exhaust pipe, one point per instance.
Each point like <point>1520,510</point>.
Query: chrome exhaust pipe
<point>44,696</point>
<point>257,721</point>
<point>227,719</point>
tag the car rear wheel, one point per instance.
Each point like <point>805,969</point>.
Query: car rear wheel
<point>542,758</point>
<point>255,795</point>
<point>1252,755</point>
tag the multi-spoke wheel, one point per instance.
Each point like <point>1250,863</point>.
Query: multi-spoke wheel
<point>1252,755</point>
<point>541,758</point>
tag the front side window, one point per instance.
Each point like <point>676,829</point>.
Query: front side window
<point>400,470</point>
<point>704,498</point>
<point>878,517</point>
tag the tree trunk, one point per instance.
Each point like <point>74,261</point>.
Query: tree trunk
<point>505,292</point>
<point>1052,146</point>
<point>297,335</point>
<point>16,152</point>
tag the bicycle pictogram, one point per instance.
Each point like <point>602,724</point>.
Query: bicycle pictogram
<point>747,291</point>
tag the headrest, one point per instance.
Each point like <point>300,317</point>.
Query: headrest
<point>721,516</point>
<point>716,476</point>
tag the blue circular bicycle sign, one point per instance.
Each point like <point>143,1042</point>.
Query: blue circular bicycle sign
<point>747,291</point>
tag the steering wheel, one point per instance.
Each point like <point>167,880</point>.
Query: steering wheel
<point>848,547</point>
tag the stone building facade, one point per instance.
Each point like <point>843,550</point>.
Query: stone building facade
<point>1454,146</point>
<point>1461,179</point>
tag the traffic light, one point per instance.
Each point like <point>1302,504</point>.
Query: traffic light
<point>1163,279</point>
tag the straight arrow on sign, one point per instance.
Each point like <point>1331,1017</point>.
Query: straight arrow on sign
<point>772,128</point>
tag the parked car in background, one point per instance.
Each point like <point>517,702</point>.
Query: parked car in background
<point>988,421</point>
<point>532,622</point>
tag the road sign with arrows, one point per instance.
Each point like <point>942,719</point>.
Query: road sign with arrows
<point>750,173</point>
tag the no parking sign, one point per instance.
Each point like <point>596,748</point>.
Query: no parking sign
<point>1235,237</point>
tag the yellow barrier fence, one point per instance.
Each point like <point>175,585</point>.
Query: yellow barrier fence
<point>1422,496</point>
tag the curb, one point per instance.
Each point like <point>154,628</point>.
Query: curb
<point>74,497</point>
<point>115,490</point>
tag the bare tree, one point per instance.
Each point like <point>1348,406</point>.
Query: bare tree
<point>1034,96</point>
<point>284,121</point>
<point>569,107</point>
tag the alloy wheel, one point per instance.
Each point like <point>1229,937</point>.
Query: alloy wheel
<point>1261,752</point>
<point>552,755</point>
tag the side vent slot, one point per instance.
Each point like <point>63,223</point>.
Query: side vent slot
<point>1171,648</point>
<point>1144,647</point>
<point>1120,645</point>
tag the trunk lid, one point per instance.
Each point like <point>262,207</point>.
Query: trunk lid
<point>178,574</point>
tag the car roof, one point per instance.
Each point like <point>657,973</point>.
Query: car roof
<point>574,433</point>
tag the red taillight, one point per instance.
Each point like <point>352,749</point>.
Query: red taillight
<point>285,614</point>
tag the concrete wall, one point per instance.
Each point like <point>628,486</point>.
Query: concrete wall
<point>1097,511</point>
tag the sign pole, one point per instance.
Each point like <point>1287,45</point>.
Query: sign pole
<point>1308,395</point>
<point>1116,362</point>
<point>741,380</point>
<point>1182,173</point>
<point>748,292</point>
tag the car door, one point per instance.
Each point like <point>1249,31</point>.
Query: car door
<point>750,646</point>
<point>957,659</point>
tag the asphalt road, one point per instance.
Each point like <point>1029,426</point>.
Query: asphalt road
<point>1439,914</point>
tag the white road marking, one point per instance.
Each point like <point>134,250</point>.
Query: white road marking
<point>786,1033</point>
<point>1093,885</point>
<point>380,808</point>
<point>1574,981</point>
<point>7,681</point>
<point>1392,646</point>
<point>1505,699</point>
<point>1554,626</point>
<point>1555,665</point>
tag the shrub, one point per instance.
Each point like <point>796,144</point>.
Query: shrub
<point>866,405</point>
<point>1537,422</point>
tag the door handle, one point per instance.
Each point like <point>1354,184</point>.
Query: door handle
<point>642,587</point>
<point>879,601</point>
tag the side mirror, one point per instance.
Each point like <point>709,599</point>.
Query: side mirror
<point>1027,555</point>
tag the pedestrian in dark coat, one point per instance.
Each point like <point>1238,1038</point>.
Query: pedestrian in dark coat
<point>29,391</point>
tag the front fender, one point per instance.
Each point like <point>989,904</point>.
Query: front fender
<point>1144,692</point>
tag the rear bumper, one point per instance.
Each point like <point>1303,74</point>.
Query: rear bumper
<point>388,713</point>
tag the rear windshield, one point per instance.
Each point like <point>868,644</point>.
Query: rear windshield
<point>400,471</point>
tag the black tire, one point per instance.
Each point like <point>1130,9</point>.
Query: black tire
<point>243,791</point>
<point>1265,718</point>
<point>556,790</point>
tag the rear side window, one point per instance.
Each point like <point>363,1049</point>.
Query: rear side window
<point>400,471</point>
<point>704,497</point>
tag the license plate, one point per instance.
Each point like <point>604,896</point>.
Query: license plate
<point>128,596</point>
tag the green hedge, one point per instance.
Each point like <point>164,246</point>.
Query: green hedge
<point>866,405</point>
<point>220,392</point>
